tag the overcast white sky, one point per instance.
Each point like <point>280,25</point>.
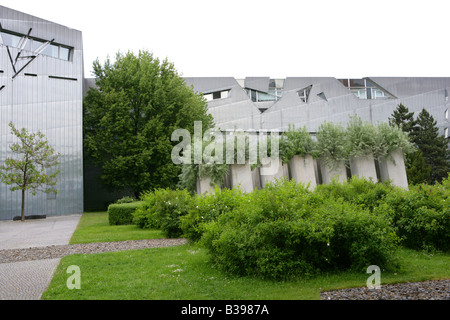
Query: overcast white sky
<point>278,38</point>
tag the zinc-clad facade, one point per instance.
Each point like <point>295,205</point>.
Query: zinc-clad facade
<point>256,103</point>
<point>42,94</point>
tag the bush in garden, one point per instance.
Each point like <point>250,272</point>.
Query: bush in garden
<point>207,208</point>
<point>162,209</point>
<point>120,214</point>
<point>359,191</point>
<point>284,231</point>
<point>422,216</point>
<point>126,199</point>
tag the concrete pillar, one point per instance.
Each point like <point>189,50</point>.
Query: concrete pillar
<point>338,171</point>
<point>364,167</point>
<point>303,171</point>
<point>256,177</point>
<point>241,174</point>
<point>393,168</point>
<point>278,171</point>
<point>204,186</point>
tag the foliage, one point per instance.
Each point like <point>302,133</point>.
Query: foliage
<point>211,167</point>
<point>422,216</point>
<point>122,214</point>
<point>430,161</point>
<point>417,170</point>
<point>284,231</point>
<point>296,142</point>
<point>391,138</point>
<point>361,138</point>
<point>30,171</point>
<point>434,147</point>
<point>402,118</point>
<point>207,208</point>
<point>126,199</point>
<point>331,143</point>
<point>360,191</point>
<point>162,209</point>
<point>129,118</point>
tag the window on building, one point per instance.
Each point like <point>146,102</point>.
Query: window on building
<point>446,114</point>
<point>217,95</point>
<point>16,40</point>
<point>446,132</point>
<point>258,96</point>
<point>274,93</point>
<point>364,89</point>
<point>322,95</point>
<point>304,94</point>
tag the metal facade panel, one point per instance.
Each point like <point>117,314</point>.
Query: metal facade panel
<point>257,83</point>
<point>211,84</point>
<point>42,102</point>
<point>340,103</point>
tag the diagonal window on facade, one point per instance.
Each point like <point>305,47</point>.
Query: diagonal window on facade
<point>32,44</point>
<point>365,89</point>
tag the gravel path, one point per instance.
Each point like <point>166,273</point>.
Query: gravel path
<point>59,251</point>
<point>426,290</point>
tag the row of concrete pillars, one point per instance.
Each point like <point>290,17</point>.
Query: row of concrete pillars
<point>312,172</point>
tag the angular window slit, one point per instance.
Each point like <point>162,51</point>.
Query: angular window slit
<point>63,78</point>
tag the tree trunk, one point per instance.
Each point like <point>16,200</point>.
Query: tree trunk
<point>23,205</point>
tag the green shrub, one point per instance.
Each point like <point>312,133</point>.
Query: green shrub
<point>120,214</point>
<point>284,231</point>
<point>126,199</point>
<point>360,191</point>
<point>162,209</point>
<point>422,216</point>
<point>207,208</point>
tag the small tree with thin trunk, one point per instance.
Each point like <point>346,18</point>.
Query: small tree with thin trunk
<point>28,170</point>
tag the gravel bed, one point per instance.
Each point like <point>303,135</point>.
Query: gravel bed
<point>59,251</point>
<point>426,290</point>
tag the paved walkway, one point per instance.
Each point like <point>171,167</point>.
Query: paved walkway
<point>27,280</point>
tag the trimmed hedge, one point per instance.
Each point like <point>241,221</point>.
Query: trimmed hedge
<point>122,213</point>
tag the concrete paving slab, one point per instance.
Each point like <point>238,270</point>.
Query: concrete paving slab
<point>26,280</point>
<point>37,233</point>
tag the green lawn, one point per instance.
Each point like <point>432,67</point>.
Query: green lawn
<point>94,227</point>
<point>185,272</point>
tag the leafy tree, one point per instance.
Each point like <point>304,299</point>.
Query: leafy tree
<point>129,117</point>
<point>28,171</point>
<point>434,147</point>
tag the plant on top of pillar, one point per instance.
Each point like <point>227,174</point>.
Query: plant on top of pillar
<point>331,145</point>
<point>296,142</point>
